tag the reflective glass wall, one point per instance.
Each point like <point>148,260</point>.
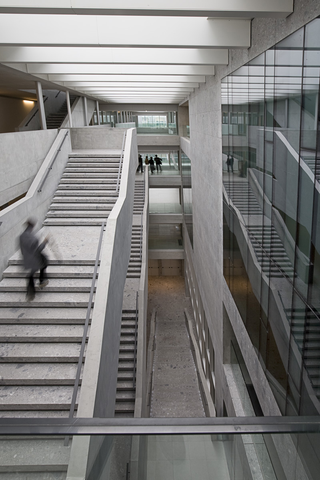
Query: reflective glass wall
<point>271,195</point>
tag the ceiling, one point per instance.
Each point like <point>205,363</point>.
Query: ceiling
<point>155,51</point>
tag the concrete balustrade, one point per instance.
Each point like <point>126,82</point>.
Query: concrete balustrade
<point>35,203</point>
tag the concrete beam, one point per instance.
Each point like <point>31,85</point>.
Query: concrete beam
<point>192,32</point>
<point>121,55</point>
<point>112,69</point>
<point>206,8</point>
<point>96,80</point>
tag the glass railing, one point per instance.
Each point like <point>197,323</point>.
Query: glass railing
<point>157,129</point>
<point>207,448</point>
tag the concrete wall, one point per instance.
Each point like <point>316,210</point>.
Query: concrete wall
<point>140,409</point>
<point>78,114</point>
<point>21,157</point>
<point>12,112</point>
<point>97,137</point>
<point>206,169</point>
<point>158,141</point>
<point>35,203</point>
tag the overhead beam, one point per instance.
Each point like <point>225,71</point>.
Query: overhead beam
<point>206,8</point>
<point>110,69</point>
<point>103,55</point>
<point>99,85</point>
<point>72,30</point>
<point>98,79</point>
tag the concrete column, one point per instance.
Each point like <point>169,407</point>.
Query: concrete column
<point>42,112</point>
<point>69,109</point>
<point>98,111</point>
<point>117,117</point>
<point>85,108</point>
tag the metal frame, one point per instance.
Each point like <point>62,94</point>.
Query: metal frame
<point>160,426</point>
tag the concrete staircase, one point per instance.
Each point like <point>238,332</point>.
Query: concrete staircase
<point>40,340</point>
<point>55,120</point>
<point>125,399</point>
<point>87,191</point>
<point>243,197</point>
<point>306,331</point>
<point>139,192</point>
<point>313,164</point>
<point>270,251</point>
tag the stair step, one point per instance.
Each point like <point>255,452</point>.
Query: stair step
<point>126,386</point>
<point>33,458</point>
<point>39,352</point>
<point>35,398</point>
<point>124,407</point>
<point>56,222</point>
<point>37,374</point>
<point>33,315</point>
<point>41,333</point>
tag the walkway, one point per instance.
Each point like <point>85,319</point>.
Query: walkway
<point>175,384</point>
<point>176,393</point>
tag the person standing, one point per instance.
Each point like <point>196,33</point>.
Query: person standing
<point>230,163</point>
<point>33,258</point>
<point>151,162</point>
<point>140,166</point>
<point>158,163</point>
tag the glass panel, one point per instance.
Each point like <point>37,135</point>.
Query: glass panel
<point>275,456</point>
<point>271,165</point>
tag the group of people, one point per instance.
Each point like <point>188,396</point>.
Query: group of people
<point>155,163</point>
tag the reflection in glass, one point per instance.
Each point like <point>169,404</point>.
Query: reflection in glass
<point>270,126</point>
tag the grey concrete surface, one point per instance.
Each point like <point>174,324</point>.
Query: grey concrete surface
<point>175,390</point>
<point>21,156</point>
<point>35,203</point>
<point>99,137</point>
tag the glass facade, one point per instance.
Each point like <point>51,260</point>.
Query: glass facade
<point>271,198</point>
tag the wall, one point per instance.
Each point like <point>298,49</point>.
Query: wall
<point>21,156</point>
<point>206,168</point>
<point>12,112</point>
<point>78,119</point>
<point>37,201</point>
<point>98,137</point>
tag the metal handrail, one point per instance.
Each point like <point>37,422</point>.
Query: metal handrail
<point>86,326</point>
<point>160,426</point>
<point>135,342</point>
<point>141,221</point>
<point>52,162</point>
<point>121,159</point>
<point>141,235</point>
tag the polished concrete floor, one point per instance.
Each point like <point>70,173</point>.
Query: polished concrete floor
<point>176,392</point>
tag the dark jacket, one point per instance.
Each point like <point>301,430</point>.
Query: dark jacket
<point>31,250</point>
